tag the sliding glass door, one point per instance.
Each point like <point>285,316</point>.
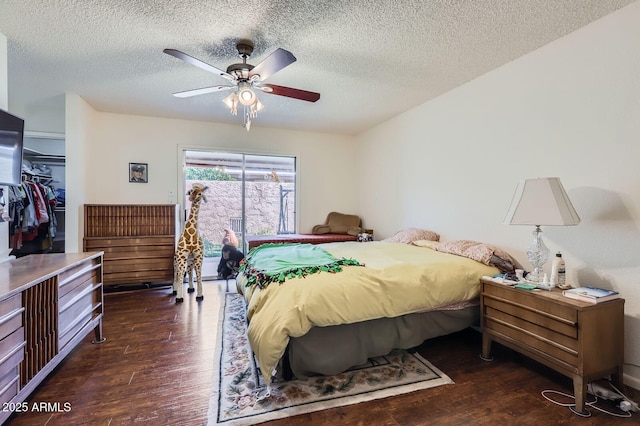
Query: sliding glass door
<point>247,193</point>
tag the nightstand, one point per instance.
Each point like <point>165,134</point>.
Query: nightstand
<point>580,340</point>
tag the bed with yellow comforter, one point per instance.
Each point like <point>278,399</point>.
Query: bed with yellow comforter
<point>388,281</point>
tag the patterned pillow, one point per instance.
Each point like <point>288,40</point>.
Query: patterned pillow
<point>480,252</point>
<point>409,235</point>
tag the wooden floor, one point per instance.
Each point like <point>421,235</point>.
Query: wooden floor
<point>156,369</point>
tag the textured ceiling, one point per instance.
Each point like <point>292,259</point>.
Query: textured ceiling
<point>370,60</point>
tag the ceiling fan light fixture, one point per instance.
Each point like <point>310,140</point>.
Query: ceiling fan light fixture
<point>245,94</point>
<point>256,108</point>
<point>231,101</point>
<point>247,97</point>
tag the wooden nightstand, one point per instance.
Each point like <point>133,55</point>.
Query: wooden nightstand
<point>580,340</point>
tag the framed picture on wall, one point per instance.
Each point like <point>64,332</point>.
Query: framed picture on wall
<point>138,172</point>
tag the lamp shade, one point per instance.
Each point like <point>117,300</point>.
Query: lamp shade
<point>541,201</point>
<point>232,102</point>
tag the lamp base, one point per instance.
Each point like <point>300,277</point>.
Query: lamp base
<point>535,276</point>
<point>538,255</point>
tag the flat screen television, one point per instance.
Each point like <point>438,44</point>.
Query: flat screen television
<point>11,143</point>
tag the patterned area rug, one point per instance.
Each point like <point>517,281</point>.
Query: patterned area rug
<point>236,401</point>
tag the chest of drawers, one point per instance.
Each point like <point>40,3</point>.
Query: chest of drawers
<point>48,304</point>
<point>580,340</point>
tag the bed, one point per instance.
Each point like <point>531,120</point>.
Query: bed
<point>378,296</point>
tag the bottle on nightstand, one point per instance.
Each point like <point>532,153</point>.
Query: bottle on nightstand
<point>558,271</point>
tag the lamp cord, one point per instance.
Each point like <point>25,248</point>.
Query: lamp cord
<point>587,404</point>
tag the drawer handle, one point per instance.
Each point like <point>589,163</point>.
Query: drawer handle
<point>545,314</point>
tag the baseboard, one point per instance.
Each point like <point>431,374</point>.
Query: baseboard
<point>631,381</point>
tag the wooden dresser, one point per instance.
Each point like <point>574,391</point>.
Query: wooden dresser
<point>578,339</point>
<point>48,304</point>
<point>138,240</point>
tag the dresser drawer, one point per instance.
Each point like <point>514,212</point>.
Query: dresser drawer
<point>10,315</point>
<point>81,268</point>
<point>10,389</point>
<point>10,304</point>
<point>538,317</point>
<point>527,303</point>
<point>11,354</point>
<point>11,342</point>
<point>10,323</point>
<point>544,340</point>
<point>11,363</point>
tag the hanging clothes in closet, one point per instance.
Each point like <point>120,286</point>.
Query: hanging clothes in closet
<point>33,222</point>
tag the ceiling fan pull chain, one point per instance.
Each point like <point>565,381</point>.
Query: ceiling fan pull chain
<point>247,118</point>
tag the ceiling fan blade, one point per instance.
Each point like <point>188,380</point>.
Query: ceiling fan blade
<point>272,64</point>
<point>203,91</point>
<point>290,92</point>
<point>198,63</point>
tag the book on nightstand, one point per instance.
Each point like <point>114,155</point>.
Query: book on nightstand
<point>591,294</point>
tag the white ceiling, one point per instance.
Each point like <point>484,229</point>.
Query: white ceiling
<point>369,59</point>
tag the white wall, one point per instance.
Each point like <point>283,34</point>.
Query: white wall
<point>4,104</point>
<point>79,169</point>
<point>4,74</point>
<point>45,116</point>
<point>107,143</point>
<point>570,109</point>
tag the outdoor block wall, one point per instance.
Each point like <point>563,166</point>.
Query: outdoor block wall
<point>224,202</point>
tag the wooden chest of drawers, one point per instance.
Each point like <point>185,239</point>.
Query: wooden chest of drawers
<point>138,241</point>
<point>48,304</point>
<point>580,340</point>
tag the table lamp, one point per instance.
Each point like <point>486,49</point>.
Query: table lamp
<point>540,202</point>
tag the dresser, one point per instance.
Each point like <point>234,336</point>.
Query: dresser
<point>580,340</point>
<point>138,241</point>
<point>48,305</point>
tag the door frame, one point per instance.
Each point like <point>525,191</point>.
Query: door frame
<point>181,190</point>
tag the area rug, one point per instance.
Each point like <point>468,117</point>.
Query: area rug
<point>238,384</point>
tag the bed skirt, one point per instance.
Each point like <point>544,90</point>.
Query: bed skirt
<point>333,350</point>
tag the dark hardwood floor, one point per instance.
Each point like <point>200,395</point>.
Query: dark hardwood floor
<point>156,368</point>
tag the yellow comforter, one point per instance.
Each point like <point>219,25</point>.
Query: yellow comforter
<point>398,279</point>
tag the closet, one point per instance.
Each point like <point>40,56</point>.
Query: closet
<point>43,168</point>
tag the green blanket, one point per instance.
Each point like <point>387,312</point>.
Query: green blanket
<point>269,263</point>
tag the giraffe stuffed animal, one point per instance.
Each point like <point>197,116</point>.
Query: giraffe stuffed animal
<point>190,250</point>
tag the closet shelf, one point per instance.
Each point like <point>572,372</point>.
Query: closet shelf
<point>41,155</point>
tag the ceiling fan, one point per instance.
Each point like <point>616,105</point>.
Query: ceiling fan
<point>243,77</point>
